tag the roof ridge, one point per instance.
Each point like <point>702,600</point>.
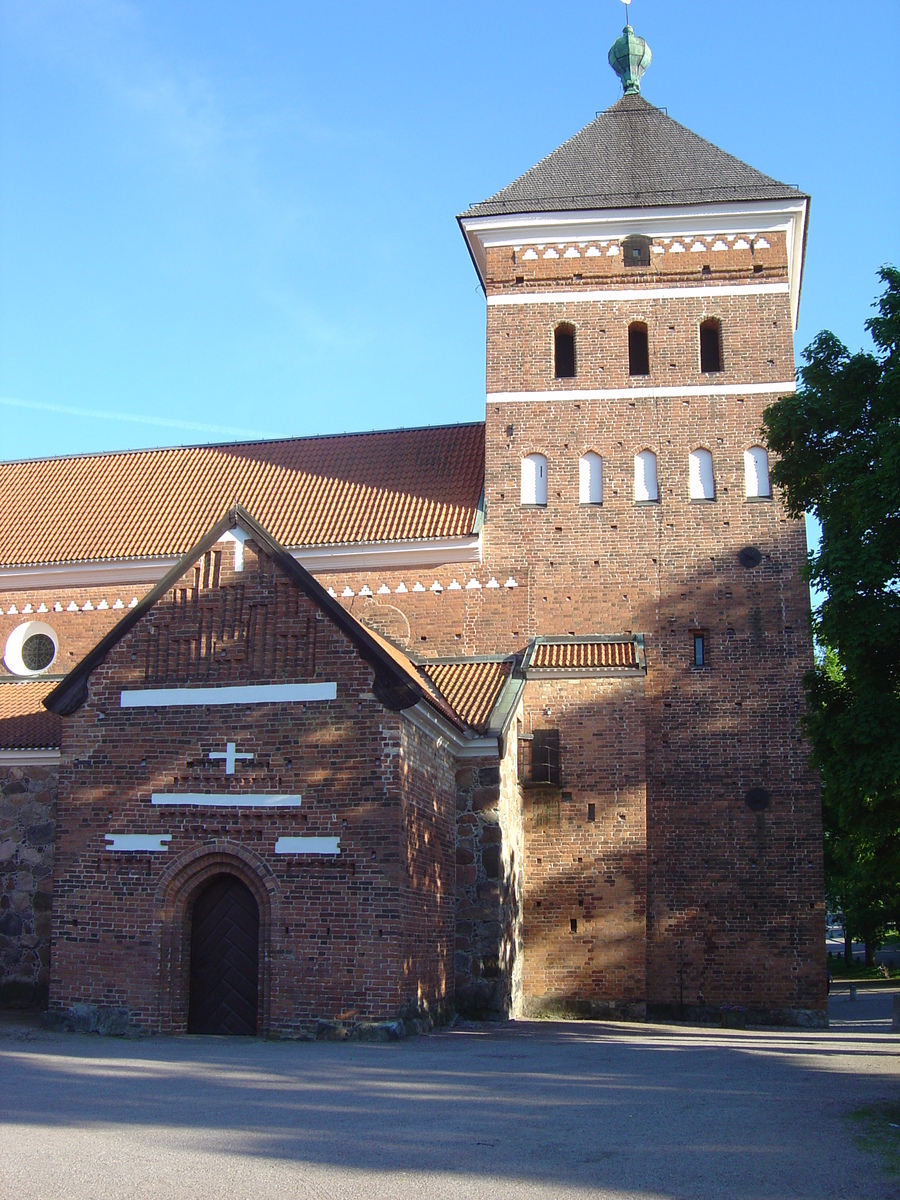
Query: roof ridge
<point>309,437</point>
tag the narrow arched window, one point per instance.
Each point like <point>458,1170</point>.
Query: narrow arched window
<point>534,479</point>
<point>646,484</point>
<point>710,346</point>
<point>564,352</point>
<point>701,476</point>
<point>638,349</point>
<point>756,472</point>
<point>590,478</point>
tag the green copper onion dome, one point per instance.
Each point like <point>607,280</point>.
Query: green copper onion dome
<point>629,58</point>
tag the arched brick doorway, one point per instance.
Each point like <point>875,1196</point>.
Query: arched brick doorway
<point>180,888</point>
<point>224,963</point>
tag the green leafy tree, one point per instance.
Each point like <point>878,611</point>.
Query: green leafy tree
<point>852,883</point>
<point>838,445</point>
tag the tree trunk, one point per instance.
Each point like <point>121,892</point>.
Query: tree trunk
<point>870,953</point>
<point>848,947</point>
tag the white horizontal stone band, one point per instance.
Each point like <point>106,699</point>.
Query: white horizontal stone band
<point>133,843</point>
<point>263,693</point>
<point>612,294</point>
<point>225,800</point>
<point>308,845</point>
<point>646,393</point>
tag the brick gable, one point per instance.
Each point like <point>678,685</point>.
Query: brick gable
<point>363,930</point>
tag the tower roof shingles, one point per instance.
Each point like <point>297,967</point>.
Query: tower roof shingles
<point>632,155</point>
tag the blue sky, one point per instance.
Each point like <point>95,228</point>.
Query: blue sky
<point>221,219</point>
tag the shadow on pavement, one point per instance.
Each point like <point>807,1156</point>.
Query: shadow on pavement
<point>536,1109</point>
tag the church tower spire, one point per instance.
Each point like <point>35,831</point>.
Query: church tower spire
<point>630,57</point>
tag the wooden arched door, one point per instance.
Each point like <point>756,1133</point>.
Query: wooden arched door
<point>224,959</point>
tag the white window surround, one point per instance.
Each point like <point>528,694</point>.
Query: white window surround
<point>756,473</point>
<point>590,478</point>
<point>534,480</point>
<point>646,482</point>
<point>701,483</point>
<point>15,644</point>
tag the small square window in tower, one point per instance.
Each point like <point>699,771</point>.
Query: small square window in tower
<point>638,349</point>
<point>710,346</point>
<point>636,251</point>
<point>545,756</point>
<point>564,352</point>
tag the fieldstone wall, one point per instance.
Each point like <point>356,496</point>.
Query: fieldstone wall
<point>27,828</point>
<point>488,892</point>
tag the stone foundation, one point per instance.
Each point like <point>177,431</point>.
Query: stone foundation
<point>27,828</point>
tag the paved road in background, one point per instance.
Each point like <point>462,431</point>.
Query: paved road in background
<point>524,1111</point>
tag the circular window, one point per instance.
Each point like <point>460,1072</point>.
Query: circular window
<point>30,648</point>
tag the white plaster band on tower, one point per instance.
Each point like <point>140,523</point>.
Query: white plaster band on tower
<point>264,693</point>
<point>614,294</point>
<point>645,393</point>
<point>225,800</point>
<point>308,845</point>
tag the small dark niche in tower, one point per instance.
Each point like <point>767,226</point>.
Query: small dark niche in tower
<point>749,557</point>
<point>758,799</point>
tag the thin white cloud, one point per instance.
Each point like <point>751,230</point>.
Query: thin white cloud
<point>111,43</point>
<point>98,414</point>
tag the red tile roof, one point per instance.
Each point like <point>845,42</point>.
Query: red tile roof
<point>362,487</point>
<point>24,722</point>
<point>583,656</point>
<point>471,689</point>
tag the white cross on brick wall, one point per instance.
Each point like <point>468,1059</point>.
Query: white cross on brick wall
<point>229,755</point>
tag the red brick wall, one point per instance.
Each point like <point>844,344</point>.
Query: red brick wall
<point>733,898</point>
<point>549,266</point>
<point>78,631</point>
<point>735,911</point>
<point>428,827</point>
<point>755,341</point>
<point>334,929</point>
<point>583,866</point>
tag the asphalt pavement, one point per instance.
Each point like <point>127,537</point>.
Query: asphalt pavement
<point>527,1110</point>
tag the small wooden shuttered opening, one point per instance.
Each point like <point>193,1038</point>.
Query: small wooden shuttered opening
<point>545,756</point>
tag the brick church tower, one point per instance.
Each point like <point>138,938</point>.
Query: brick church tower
<point>501,716</point>
<point>642,290</point>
